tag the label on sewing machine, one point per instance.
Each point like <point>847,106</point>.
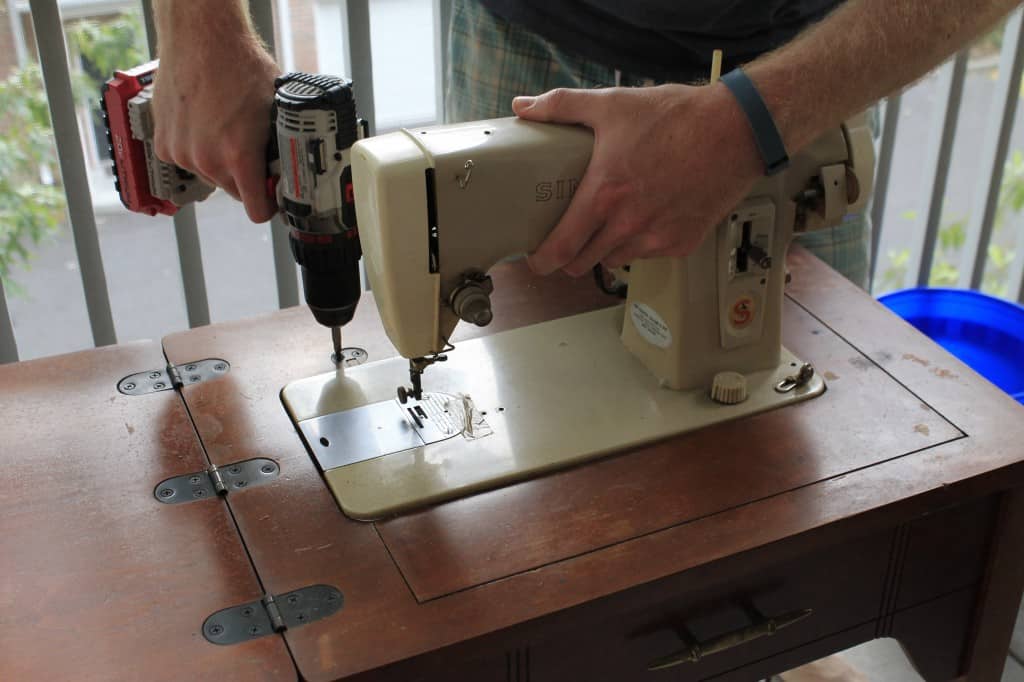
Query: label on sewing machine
<point>743,311</point>
<point>650,326</point>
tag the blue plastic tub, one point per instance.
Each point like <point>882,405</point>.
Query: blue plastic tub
<point>986,333</point>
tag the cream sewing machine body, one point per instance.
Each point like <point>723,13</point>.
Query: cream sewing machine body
<point>438,207</point>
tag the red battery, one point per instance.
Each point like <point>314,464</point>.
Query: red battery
<point>131,177</point>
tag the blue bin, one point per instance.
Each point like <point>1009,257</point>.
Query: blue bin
<point>986,333</point>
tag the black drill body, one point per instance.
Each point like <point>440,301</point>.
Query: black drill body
<point>315,126</point>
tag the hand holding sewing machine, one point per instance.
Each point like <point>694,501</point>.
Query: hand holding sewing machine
<point>669,163</point>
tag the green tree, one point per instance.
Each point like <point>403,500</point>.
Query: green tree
<point>31,208</point>
<point>109,45</point>
<point>953,235</point>
<point>32,202</point>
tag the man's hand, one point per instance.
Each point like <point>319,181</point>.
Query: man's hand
<point>212,100</point>
<point>669,163</point>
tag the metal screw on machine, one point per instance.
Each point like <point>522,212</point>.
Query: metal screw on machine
<point>471,299</point>
<point>803,375</point>
<point>350,357</point>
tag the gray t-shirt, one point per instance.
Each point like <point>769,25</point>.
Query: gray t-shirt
<point>665,39</point>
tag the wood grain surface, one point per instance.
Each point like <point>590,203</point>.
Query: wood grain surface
<point>864,418</point>
<point>99,580</point>
<point>824,477</point>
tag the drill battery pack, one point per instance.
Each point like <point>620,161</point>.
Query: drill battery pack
<point>144,183</point>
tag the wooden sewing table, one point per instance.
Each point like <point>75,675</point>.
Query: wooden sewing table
<point>889,507</point>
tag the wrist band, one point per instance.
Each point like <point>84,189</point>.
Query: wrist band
<point>766,134</point>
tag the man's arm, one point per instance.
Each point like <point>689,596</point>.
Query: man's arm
<point>670,162</point>
<point>212,97</point>
<point>862,52</point>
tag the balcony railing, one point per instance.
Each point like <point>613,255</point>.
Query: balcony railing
<point>354,32</point>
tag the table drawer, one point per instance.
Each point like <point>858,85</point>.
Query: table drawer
<point>870,586</point>
<point>866,580</point>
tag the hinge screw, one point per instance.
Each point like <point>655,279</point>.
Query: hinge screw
<point>254,630</point>
<point>190,368</point>
<point>154,375</point>
<point>267,468</point>
<point>240,484</point>
<point>194,378</point>
<point>293,599</point>
<point>235,469</point>
<point>129,386</point>
<point>199,493</point>
<point>216,629</point>
<point>194,480</point>
<point>158,385</point>
<point>166,492</point>
<point>220,367</point>
<point>247,612</point>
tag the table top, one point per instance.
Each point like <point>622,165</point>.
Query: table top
<point>95,568</point>
<point>98,579</point>
<point>903,423</point>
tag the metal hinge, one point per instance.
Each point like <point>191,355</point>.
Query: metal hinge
<point>217,481</point>
<point>272,614</point>
<point>173,376</point>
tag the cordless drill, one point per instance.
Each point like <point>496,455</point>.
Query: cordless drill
<point>313,127</point>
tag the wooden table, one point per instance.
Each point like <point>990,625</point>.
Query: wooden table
<point>891,506</point>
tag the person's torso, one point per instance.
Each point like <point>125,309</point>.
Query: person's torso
<point>665,39</point>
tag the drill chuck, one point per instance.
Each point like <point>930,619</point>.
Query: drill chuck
<point>330,274</point>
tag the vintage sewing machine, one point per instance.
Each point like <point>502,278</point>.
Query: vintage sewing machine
<point>697,342</point>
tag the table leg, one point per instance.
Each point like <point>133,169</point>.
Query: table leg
<point>1000,594</point>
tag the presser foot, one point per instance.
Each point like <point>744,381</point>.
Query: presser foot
<point>416,367</point>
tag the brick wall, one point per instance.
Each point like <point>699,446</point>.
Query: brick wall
<point>8,55</point>
<point>303,35</point>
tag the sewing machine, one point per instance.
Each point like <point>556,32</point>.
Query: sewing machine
<point>697,342</point>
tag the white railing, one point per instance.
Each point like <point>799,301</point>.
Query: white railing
<point>355,36</point>
<point>936,165</point>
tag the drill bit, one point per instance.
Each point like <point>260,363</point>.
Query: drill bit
<point>336,338</point>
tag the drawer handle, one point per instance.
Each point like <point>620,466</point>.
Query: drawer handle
<point>694,651</point>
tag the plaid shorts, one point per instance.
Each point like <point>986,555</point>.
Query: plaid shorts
<point>493,60</point>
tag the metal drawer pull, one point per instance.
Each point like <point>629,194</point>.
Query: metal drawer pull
<point>694,651</point>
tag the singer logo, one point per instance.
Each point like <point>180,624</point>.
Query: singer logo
<point>547,190</point>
